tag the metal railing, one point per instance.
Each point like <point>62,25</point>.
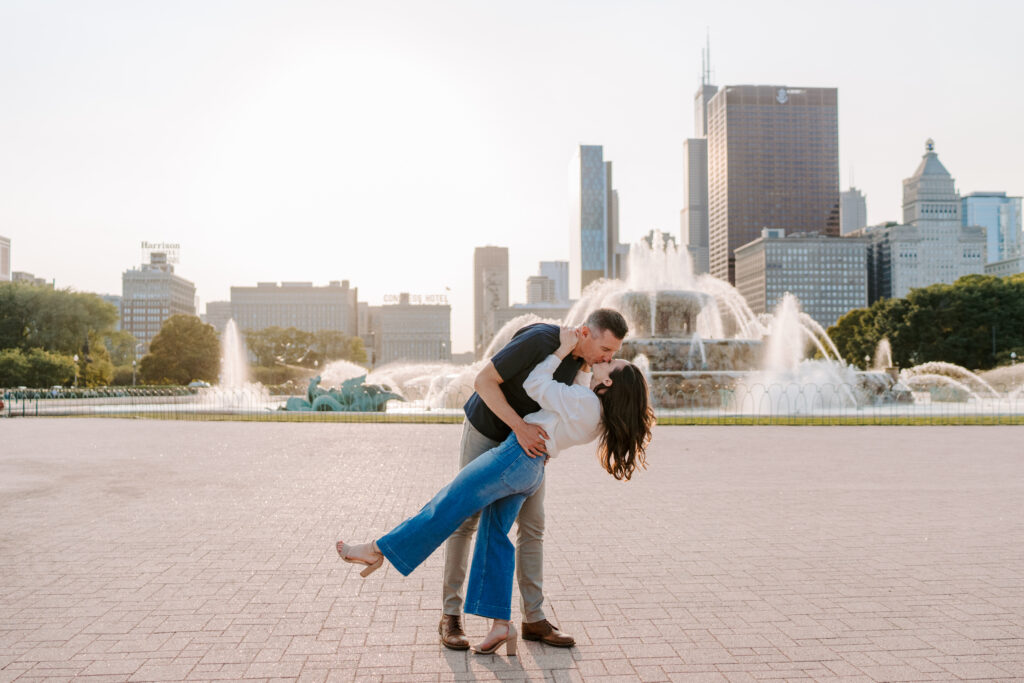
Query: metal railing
<point>738,403</point>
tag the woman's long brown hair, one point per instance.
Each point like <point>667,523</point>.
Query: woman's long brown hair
<point>627,419</point>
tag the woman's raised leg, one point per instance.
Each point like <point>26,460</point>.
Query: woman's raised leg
<point>478,484</point>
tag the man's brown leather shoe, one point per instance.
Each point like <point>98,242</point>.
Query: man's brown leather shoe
<point>452,635</point>
<point>547,633</point>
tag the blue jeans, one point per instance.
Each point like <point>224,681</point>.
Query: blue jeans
<point>494,484</point>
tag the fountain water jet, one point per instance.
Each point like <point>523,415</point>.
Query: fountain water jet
<point>883,355</point>
<point>234,366</point>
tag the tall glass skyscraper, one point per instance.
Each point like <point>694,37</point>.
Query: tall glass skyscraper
<point>1001,217</point>
<point>773,162</point>
<point>593,219</point>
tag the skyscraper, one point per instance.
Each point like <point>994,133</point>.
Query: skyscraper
<point>773,162</point>
<point>853,211</point>
<point>1001,217</point>
<point>490,293</point>
<point>594,250</point>
<point>932,246</point>
<point>558,271</point>
<point>693,223</point>
<point>828,275</point>
<point>5,259</point>
<point>540,289</point>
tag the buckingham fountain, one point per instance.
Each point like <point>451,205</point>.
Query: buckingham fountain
<point>701,346</point>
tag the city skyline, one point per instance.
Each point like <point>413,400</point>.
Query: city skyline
<point>330,142</point>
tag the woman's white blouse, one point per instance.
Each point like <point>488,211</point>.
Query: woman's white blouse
<point>570,414</point>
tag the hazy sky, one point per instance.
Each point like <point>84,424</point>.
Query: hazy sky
<point>380,142</point>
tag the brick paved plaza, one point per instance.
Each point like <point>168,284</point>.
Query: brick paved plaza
<point>150,550</point>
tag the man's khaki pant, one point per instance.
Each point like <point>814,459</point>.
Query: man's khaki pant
<point>529,544</point>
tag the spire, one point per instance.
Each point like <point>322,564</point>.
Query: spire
<point>705,61</point>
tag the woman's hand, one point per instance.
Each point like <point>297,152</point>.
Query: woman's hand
<point>568,338</point>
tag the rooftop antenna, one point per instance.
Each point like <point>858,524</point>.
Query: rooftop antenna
<point>706,76</point>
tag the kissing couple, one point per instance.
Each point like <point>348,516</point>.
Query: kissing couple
<point>548,389</point>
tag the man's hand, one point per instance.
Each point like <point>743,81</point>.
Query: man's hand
<point>531,438</point>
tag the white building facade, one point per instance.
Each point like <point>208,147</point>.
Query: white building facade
<point>558,272</point>
<point>932,245</point>
<point>409,331</point>
<point>296,304</point>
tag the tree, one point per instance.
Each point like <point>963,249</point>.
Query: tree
<point>121,346</point>
<point>277,346</point>
<point>13,368</point>
<point>53,319</point>
<point>974,322</point>
<point>331,345</point>
<point>37,368</point>
<point>184,350</point>
<point>94,366</point>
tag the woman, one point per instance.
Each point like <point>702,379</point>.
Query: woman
<point>610,403</point>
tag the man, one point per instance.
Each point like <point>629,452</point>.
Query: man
<point>492,412</point>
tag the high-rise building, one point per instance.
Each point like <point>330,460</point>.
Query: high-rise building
<point>151,294</point>
<point>490,292</point>
<point>115,301</point>
<point>558,272</point>
<point>693,229</point>
<point>1001,217</point>
<point>827,274</point>
<point>694,217</point>
<point>594,249</point>
<point>5,259</point>
<point>31,279</point>
<point>218,313</point>
<point>409,331</point>
<point>1006,267</point>
<point>932,245</point>
<point>296,304</point>
<point>853,211</point>
<point>540,289</point>
<point>773,162</point>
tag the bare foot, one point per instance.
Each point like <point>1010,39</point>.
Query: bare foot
<point>364,553</point>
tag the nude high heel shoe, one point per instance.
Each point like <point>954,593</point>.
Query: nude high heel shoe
<point>344,551</point>
<point>509,641</point>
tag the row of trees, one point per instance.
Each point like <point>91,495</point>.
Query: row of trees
<point>275,346</point>
<point>976,322</point>
<point>42,330</point>
<point>186,349</point>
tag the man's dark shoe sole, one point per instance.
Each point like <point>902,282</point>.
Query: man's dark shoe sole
<point>546,642</point>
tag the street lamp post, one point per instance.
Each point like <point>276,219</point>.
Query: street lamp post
<point>76,370</point>
<point>867,362</point>
<point>134,363</point>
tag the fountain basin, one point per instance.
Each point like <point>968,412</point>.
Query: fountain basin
<point>674,311</point>
<point>696,354</point>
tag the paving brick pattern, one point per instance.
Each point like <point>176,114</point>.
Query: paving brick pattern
<point>150,550</point>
